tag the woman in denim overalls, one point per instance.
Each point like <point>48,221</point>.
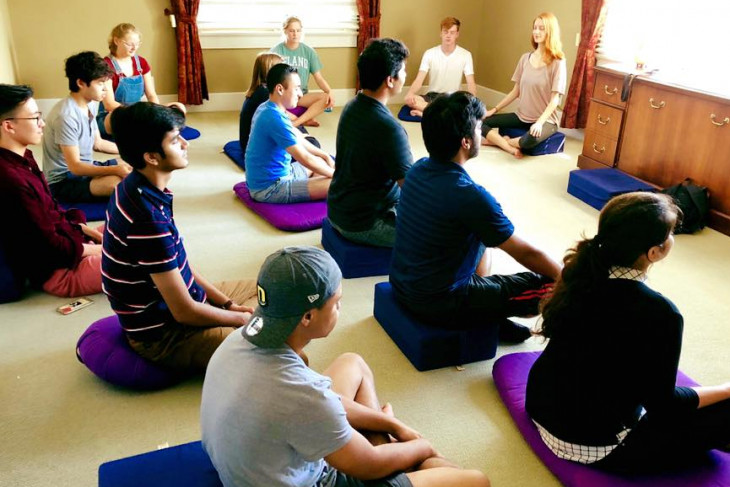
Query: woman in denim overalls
<point>132,76</point>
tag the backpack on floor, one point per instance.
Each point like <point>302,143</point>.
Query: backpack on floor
<point>694,202</point>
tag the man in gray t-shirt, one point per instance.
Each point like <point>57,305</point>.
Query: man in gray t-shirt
<point>268,419</point>
<point>71,136</point>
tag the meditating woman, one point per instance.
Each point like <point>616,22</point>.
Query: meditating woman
<point>540,79</point>
<point>603,392</point>
<point>132,77</point>
<point>306,60</point>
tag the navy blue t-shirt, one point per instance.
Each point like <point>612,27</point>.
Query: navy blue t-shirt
<point>259,96</point>
<point>444,222</point>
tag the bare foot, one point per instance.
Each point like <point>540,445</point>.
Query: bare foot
<point>517,154</point>
<point>388,409</point>
<point>416,113</point>
<point>311,123</point>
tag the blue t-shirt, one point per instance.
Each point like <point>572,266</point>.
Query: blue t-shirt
<point>444,222</point>
<point>267,160</point>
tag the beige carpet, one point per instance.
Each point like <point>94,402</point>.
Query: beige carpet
<point>58,422</point>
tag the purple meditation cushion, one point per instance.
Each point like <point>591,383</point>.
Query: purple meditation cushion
<point>103,348</point>
<point>298,111</point>
<point>291,217</point>
<point>510,376</point>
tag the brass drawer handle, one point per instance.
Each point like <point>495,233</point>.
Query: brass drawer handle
<point>660,105</point>
<point>610,92</point>
<point>725,121</point>
<point>602,121</point>
<point>597,150</point>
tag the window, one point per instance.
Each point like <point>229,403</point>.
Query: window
<point>231,24</point>
<point>683,39</point>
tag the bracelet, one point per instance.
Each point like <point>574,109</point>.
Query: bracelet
<point>227,304</point>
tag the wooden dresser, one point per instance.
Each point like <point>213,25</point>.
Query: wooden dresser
<point>663,134</point>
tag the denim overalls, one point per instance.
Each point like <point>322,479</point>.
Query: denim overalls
<point>129,90</point>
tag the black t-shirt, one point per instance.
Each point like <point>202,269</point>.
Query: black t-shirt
<point>616,352</point>
<point>260,95</point>
<point>372,154</point>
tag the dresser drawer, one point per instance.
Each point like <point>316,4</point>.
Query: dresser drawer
<point>600,148</point>
<point>608,88</point>
<point>604,120</point>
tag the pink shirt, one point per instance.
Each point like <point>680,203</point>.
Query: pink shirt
<point>537,86</point>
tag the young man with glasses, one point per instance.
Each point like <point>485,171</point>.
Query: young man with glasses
<point>50,247</point>
<point>72,136</point>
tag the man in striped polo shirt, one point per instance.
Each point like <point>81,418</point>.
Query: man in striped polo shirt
<point>170,314</point>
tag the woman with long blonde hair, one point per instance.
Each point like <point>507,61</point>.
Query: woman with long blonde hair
<point>540,81</point>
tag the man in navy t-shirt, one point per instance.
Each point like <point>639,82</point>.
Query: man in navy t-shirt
<point>446,221</point>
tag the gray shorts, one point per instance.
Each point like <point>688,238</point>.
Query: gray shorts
<point>343,480</point>
<point>291,189</point>
<point>381,234</point>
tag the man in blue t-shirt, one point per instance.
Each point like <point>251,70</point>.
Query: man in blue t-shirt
<point>446,223</point>
<point>281,165</point>
<point>170,314</point>
<point>373,154</point>
<point>267,419</point>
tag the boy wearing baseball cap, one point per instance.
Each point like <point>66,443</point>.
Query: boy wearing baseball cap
<point>268,419</point>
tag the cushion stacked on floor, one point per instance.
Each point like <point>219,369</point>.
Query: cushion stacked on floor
<point>510,376</point>
<point>355,260</point>
<point>429,347</point>
<point>596,186</point>
<point>104,349</point>
<point>189,133</point>
<point>177,466</point>
<point>291,217</point>
<point>552,145</point>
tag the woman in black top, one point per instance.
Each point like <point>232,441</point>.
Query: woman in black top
<point>603,391</point>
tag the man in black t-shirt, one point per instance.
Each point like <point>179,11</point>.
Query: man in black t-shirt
<point>373,154</point>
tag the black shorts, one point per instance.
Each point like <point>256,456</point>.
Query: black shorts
<point>77,189</point>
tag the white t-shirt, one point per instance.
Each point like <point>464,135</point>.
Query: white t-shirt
<point>445,70</point>
<point>267,418</point>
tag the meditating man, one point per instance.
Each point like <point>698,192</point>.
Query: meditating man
<point>444,66</point>
<point>281,165</point>
<point>446,225</point>
<point>373,154</point>
<point>268,419</point>
<point>54,249</point>
<point>71,136</point>
<point>169,312</point>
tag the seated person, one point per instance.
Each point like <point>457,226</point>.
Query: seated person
<point>366,185</point>
<point>540,78</point>
<point>272,174</point>
<point>131,79</point>
<point>170,314</point>
<point>445,63</point>
<point>51,247</point>
<point>258,94</point>
<point>268,419</point>
<point>71,136</point>
<point>603,392</point>
<point>305,59</point>
<point>440,268</point>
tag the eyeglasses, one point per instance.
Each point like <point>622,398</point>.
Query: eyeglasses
<point>130,45</point>
<point>38,118</point>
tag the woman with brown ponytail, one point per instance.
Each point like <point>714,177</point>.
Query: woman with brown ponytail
<point>603,391</point>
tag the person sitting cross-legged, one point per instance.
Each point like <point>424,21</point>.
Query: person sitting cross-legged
<point>169,312</point>
<point>365,189</point>
<point>268,419</point>
<point>281,165</point>
<point>441,268</point>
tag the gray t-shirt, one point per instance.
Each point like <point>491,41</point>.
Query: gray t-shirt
<point>267,418</point>
<point>67,124</point>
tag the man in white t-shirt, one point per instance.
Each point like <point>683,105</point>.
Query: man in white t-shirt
<point>445,63</point>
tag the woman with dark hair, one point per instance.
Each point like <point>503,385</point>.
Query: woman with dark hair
<point>540,79</point>
<point>603,391</point>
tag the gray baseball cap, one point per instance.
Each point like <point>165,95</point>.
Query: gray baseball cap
<point>291,282</point>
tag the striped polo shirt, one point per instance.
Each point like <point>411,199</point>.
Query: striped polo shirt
<point>141,239</point>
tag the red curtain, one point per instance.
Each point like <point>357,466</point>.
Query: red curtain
<point>369,28</point>
<point>192,86</point>
<point>575,113</point>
